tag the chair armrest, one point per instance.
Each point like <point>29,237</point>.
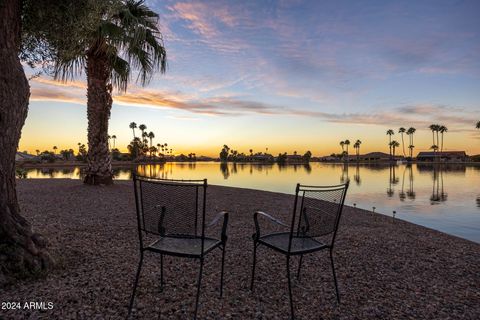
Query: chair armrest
<point>265,215</point>
<point>214,221</point>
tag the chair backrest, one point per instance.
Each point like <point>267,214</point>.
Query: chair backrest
<point>169,207</point>
<point>317,211</point>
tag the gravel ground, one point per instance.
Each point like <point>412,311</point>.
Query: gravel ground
<point>386,269</point>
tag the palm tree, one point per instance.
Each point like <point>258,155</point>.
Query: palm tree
<point>434,147</point>
<point>394,144</point>
<point>347,143</point>
<point>402,131</point>
<point>142,127</point>
<point>390,133</point>
<point>37,152</point>
<point>123,37</point>
<point>132,126</point>
<point>342,143</point>
<point>151,135</point>
<point>55,149</point>
<point>442,130</point>
<point>433,128</point>
<point>411,147</point>
<point>358,143</point>
<point>114,137</point>
<point>478,125</point>
<point>411,132</point>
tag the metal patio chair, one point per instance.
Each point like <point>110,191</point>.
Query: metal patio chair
<point>173,211</point>
<point>316,214</point>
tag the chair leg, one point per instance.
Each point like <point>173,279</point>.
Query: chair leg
<point>254,262</point>
<point>334,277</point>
<point>221,274</point>
<point>292,316</point>
<point>161,273</point>
<point>198,287</point>
<point>132,298</point>
<point>299,267</point>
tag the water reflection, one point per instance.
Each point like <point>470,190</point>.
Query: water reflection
<point>438,193</point>
<point>356,176</point>
<point>392,180</point>
<point>442,196</point>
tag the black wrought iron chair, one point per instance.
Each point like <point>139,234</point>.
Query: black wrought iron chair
<point>316,215</point>
<point>173,211</point>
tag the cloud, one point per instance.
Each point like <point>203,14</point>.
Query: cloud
<point>38,94</point>
<point>420,115</point>
<point>69,84</point>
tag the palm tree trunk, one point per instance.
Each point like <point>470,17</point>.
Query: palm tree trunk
<point>403,146</point>
<point>22,252</point>
<point>441,148</point>
<point>99,94</point>
<point>412,148</point>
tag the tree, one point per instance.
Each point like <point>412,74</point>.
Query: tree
<point>347,143</point>
<point>224,153</point>
<point>132,126</point>
<point>307,156</point>
<point>22,252</point>
<point>342,144</point>
<point>442,130</point>
<point>390,133</point>
<point>478,125</point>
<point>394,144</point>
<point>151,135</point>
<point>122,35</point>
<point>114,137</point>
<point>142,127</point>
<point>356,145</point>
<point>411,132</point>
<point>434,128</point>
<point>402,131</point>
<point>55,149</point>
<point>134,148</point>
<point>82,152</point>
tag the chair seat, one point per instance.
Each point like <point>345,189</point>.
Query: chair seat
<point>300,245</point>
<point>183,246</point>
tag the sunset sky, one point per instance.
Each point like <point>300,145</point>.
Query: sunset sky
<point>290,76</point>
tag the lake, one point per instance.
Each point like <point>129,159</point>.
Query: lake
<point>444,197</point>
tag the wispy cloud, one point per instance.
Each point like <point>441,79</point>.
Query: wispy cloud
<point>419,115</point>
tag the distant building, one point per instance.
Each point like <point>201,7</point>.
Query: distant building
<point>445,156</point>
<point>375,156</point>
<point>328,159</point>
<point>23,156</point>
<point>292,158</point>
<point>262,157</point>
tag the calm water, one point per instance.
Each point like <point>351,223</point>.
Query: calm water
<point>442,197</point>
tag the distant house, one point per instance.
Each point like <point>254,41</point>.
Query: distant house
<point>262,157</point>
<point>445,156</point>
<point>328,158</point>
<point>293,158</point>
<point>374,156</point>
<point>23,156</point>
